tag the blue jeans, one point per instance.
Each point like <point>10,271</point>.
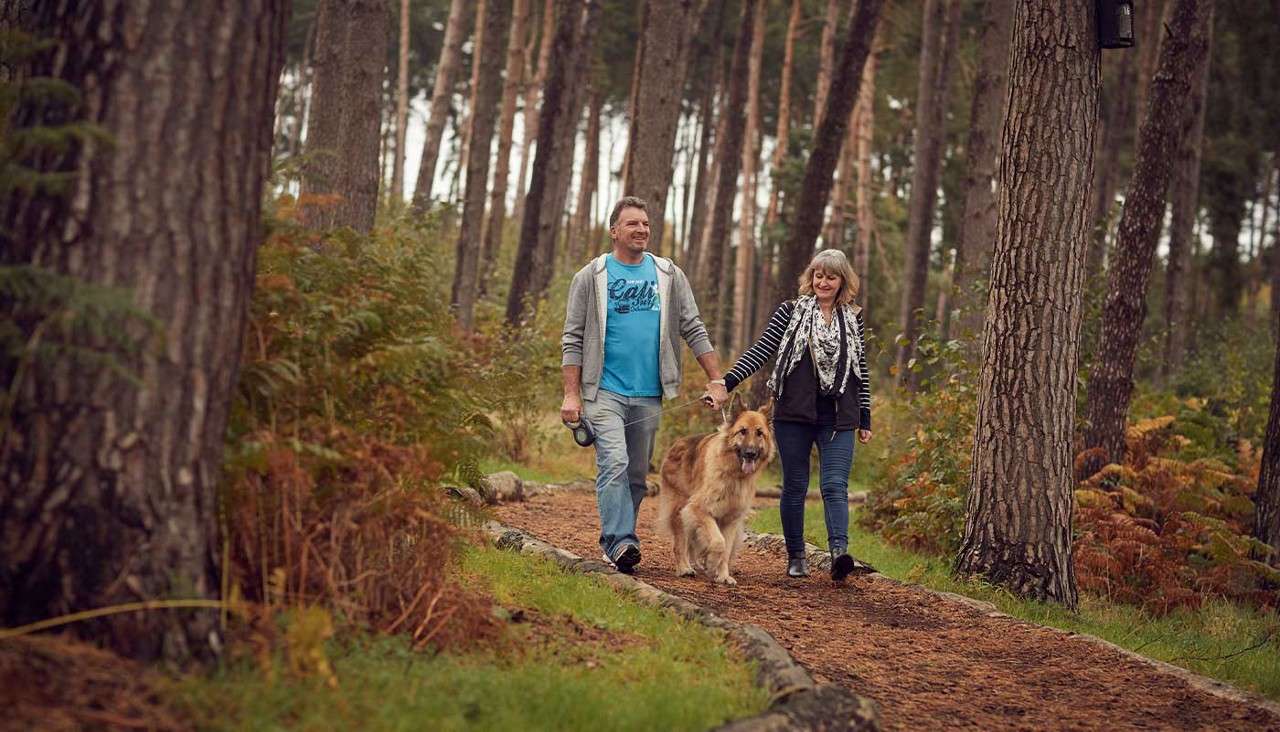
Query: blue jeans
<point>835,456</point>
<point>622,462</point>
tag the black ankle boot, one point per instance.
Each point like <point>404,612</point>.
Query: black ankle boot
<point>796,566</point>
<point>841,564</point>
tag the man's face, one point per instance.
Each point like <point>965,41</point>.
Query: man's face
<point>631,232</point>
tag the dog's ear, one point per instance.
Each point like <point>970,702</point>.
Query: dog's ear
<point>736,407</point>
<point>767,408</point>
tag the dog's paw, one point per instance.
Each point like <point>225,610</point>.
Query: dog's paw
<point>686,572</point>
<point>727,580</point>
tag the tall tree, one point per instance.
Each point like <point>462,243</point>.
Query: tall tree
<point>986,116</point>
<point>1184,51</point>
<point>937,47</point>
<point>1018,525</point>
<point>533,91</point>
<point>109,467</point>
<point>402,105</point>
<point>782,136</point>
<point>662,56</point>
<point>739,319</point>
<point>346,116</point>
<point>815,188</point>
<point>1267,517</point>
<point>826,57</point>
<point>557,132</point>
<point>728,159</point>
<point>441,97</point>
<point>478,62</point>
<point>484,102</point>
<point>1117,121</point>
<point>580,233</point>
<point>864,116</point>
<point>514,79</point>
<point>1184,201</point>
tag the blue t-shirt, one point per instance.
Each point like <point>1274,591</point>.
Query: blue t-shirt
<point>632,329</point>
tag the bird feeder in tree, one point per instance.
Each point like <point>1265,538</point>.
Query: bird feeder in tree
<point>1115,23</point>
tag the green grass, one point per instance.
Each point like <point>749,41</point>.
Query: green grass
<point>659,671</point>
<point>1182,638</point>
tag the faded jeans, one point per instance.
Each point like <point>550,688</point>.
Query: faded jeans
<point>835,457</point>
<point>622,462</point>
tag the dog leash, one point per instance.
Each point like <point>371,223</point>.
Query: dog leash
<point>584,434</point>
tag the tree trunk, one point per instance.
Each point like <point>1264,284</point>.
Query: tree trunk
<point>1117,103</point>
<point>1267,516</point>
<point>441,98</point>
<point>826,57</point>
<point>110,461</point>
<point>1185,51</point>
<point>782,136</point>
<point>941,21</point>
<point>986,117</point>
<point>1018,525</point>
<point>581,231</point>
<point>864,132</point>
<point>662,56</point>
<point>713,80</point>
<point>346,120</point>
<point>1150,34</point>
<point>532,94</point>
<point>402,106</point>
<point>557,133</point>
<point>729,161</point>
<point>478,52</point>
<point>520,12</point>
<point>740,317</point>
<point>1275,259</point>
<point>816,186</point>
<point>1185,203</point>
<point>492,33</point>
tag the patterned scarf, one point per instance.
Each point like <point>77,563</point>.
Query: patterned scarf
<point>836,349</point>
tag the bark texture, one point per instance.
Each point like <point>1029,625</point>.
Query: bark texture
<point>729,162</point>
<point>986,116</point>
<point>441,100</point>
<point>815,189</point>
<point>1117,122</point>
<point>937,47</point>
<point>402,105</point>
<point>1018,523</point>
<point>580,232</point>
<point>666,29</point>
<point>484,102</point>
<point>864,124</point>
<point>520,12</point>
<point>532,93</point>
<point>782,136</point>
<point>1267,500</point>
<point>826,57</point>
<point>1184,51</point>
<point>1184,200</point>
<point>108,484</point>
<point>553,165</point>
<point>346,115</point>
<point>739,319</point>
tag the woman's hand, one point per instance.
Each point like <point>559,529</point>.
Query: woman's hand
<point>864,436</point>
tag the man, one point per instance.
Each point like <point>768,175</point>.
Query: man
<point>627,309</point>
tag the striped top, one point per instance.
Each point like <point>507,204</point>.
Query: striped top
<point>766,347</point>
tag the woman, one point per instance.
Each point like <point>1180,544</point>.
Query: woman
<point>821,395</point>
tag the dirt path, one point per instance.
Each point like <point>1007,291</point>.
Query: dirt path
<point>929,663</point>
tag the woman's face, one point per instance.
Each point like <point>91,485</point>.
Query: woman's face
<point>826,285</point>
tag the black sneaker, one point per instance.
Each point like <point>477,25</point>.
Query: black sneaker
<point>627,559</point>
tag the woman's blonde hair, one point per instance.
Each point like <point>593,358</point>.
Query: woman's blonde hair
<point>832,261</point>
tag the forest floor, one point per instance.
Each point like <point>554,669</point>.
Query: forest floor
<point>927,661</point>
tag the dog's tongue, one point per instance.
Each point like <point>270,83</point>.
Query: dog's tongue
<point>748,465</point>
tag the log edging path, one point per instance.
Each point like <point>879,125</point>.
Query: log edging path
<point>796,702</point>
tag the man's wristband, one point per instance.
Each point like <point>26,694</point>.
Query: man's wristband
<point>717,381</point>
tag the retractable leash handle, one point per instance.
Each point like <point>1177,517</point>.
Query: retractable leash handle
<point>583,434</point>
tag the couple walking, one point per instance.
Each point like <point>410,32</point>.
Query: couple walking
<point>627,313</point>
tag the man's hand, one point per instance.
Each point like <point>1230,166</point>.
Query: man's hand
<point>864,436</point>
<point>571,408</point>
<point>716,394</point>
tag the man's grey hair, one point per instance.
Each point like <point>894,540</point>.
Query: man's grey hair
<point>626,202</point>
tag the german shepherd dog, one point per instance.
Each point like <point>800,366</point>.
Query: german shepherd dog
<point>708,482</point>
